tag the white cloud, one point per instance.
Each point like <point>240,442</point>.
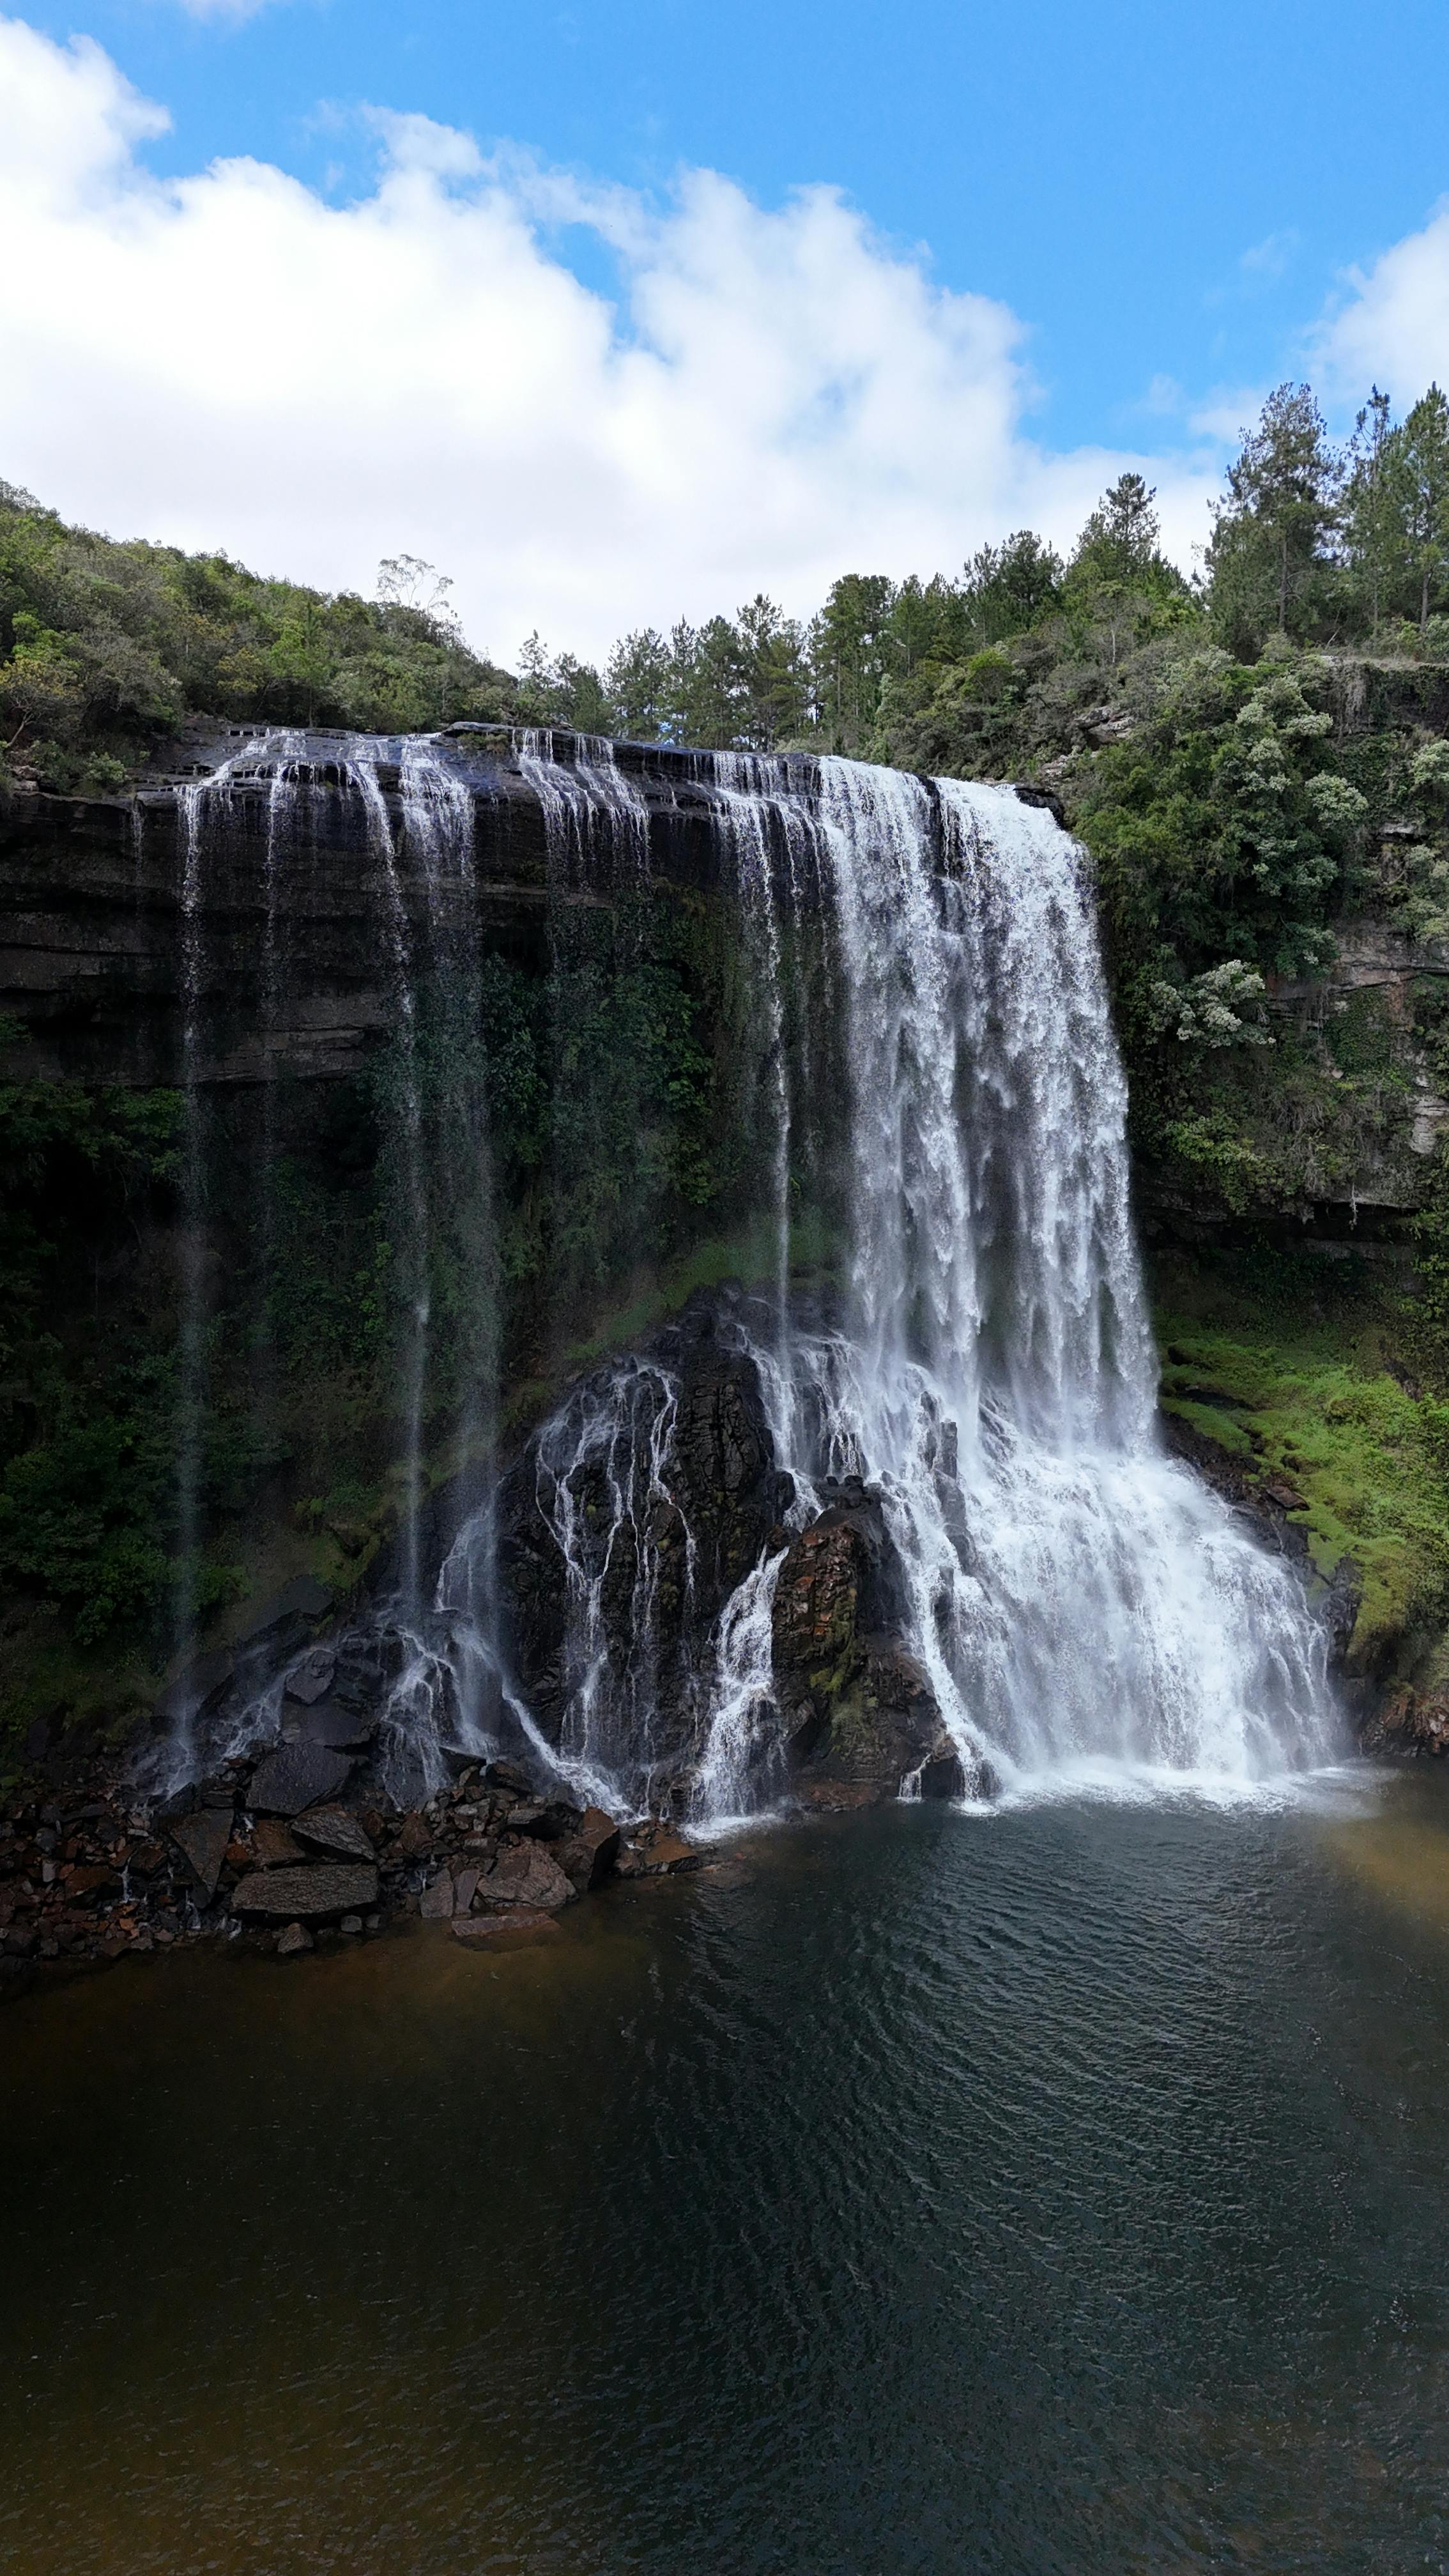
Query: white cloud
<point>223,12</point>
<point>1270,260</point>
<point>1393,329</point>
<point>229,360</point>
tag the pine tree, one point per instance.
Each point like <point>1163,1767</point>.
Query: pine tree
<point>639,683</point>
<point>1007,588</point>
<point>1272,532</point>
<point>1418,478</point>
<point>1372,532</point>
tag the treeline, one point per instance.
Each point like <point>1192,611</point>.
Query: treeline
<point>1317,543</point>
<point>105,646</point>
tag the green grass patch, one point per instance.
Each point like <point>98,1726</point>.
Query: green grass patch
<point>1303,1366</point>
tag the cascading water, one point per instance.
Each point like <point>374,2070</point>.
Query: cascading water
<point>931,1077</point>
<point>438,1139</point>
<point>1077,1599</point>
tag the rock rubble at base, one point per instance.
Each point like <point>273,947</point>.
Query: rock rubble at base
<point>105,1875</point>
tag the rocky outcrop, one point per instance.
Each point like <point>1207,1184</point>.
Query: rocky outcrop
<point>667,1556</point>
<point>1410,1725</point>
<point>112,1875</point>
<point>91,895</point>
<point>858,1708</point>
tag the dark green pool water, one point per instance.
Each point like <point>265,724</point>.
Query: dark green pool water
<point>1068,2190</point>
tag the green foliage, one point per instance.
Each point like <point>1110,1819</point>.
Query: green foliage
<point>104,647</point>
<point>1269,551</point>
<point>1293,1356</point>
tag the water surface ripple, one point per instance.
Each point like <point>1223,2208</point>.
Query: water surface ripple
<point>1061,2190</point>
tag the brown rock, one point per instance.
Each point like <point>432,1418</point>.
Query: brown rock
<point>669,1855</point>
<point>587,1856</point>
<point>465,1888</point>
<point>202,1840</point>
<point>1410,1722</point>
<point>308,1894</point>
<point>331,1829</point>
<point>295,1938</point>
<point>415,1838</point>
<point>90,1884</point>
<point>273,1846</point>
<point>505,1931</point>
<point>815,1614</point>
<point>436,1902</point>
<point>527,1876</point>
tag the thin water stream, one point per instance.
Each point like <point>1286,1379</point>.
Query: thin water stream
<point>924,2193</point>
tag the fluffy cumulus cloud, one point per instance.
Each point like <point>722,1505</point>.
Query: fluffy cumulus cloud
<point>229,359</point>
<point>1392,326</point>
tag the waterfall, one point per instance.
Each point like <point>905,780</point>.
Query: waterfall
<point>1080,1602</point>
<point>202,804</point>
<point>741,1766</point>
<point>929,1076</point>
<point>417,818</point>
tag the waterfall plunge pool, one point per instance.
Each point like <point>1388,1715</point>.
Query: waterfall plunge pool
<point>918,2192</point>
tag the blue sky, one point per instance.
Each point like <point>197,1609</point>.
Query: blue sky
<point>1166,195</point>
<point>1167,205</point>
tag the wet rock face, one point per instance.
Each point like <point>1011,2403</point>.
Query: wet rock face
<point>859,1708</point>
<point>106,1876</point>
<point>1412,1724</point>
<point>662,1533</point>
<point>730,1487</point>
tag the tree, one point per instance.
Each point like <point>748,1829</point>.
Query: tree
<point>849,656</point>
<point>773,676</point>
<point>1418,481</point>
<point>639,680</point>
<point>1121,538</point>
<point>1373,537</point>
<point>711,682</point>
<point>405,581</point>
<point>1271,532</point>
<point>561,690</point>
<point>1119,587</point>
<point>1010,587</point>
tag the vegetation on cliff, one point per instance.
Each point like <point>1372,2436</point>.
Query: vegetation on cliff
<point>105,647</point>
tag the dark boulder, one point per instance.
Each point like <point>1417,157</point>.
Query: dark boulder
<point>313,1677</point>
<point>943,1774</point>
<point>297,1776</point>
<point>526,1875</point>
<point>587,1855</point>
<point>202,1840</point>
<point>307,1895</point>
<point>332,1829</point>
<point>858,1709</point>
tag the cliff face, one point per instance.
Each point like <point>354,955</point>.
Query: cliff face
<point>288,931</point>
<point>294,969</point>
<point>466,1049</point>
